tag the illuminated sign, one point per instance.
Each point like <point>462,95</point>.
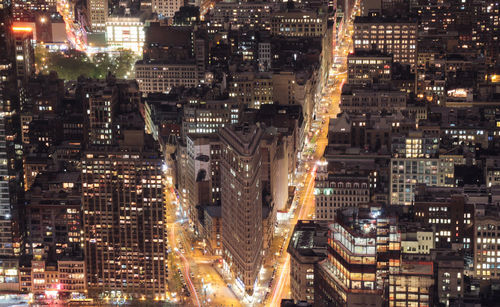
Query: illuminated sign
<point>459,92</point>
<point>22,29</point>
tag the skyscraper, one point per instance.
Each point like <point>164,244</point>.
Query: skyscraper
<point>123,210</point>
<point>241,198</point>
<point>10,148</point>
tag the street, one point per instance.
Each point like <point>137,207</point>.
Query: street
<point>201,276</point>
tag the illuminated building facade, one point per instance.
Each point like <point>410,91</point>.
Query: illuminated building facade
<point>367,67</point>
<point>251,89</point>
<point>11,182</point>
<point>335,189</point>
<point>396,37</point>
<point>411,284</point>
<point>298,23</point>
<point>122,198</point>
<point>406,173</point>
<point>24,53</point>
<point>97,14</point>
<point>415,144</point>
<point>101,104</point>
<point>123,218</point>
<point>363,247</point>
<point>162,76</point>
<point>125,32</point>
<point>208,116</point>
<point>64,278</point>
<point>239,14</point>
<point>241,199</point>
<point>371,100</point>
<point>486,245</point>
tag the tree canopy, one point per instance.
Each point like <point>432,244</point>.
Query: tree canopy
<point>71,64</point>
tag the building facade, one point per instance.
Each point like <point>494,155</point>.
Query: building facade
<point>124,235</point>
<point>396,37</point>
<point>162,76</point>
<point>241,198</point>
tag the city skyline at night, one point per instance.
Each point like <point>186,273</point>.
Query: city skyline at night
<point>249,153</point>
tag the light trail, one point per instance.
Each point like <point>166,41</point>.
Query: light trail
<point>73,32</point>
<point>278,289</point>
<point>186,266</point>
<point>336,88</point>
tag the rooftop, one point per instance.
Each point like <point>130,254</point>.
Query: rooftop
<point>308,239</point>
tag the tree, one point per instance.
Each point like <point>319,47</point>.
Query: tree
<point>72,64</point>
<point>124,63</point>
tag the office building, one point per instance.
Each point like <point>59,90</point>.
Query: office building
<point>365,67</point>
<point>241,199</point>
<point>448,212</point>
<point>411,284</point>
<point>202,117</point>
<point>53,213</point>
<point>97,14</point>
<point>239,14</point>
<point>162,76</point>
<point>24,53</point>
<point>123,201</point>
<point>299,23</point>
<point>363,247</point>
<point>406,173</point>
<point>251,89</point>
<point>393,36</point>
<point>486,253</point>
<point>123,219</point>
<point>449,267</point>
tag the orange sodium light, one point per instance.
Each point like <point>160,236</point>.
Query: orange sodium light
<point>22,29</point>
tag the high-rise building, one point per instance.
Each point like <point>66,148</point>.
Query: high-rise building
<point>122,202</point>
<point>97,14</point>
<point>11,182</point>
<point>122,197</point>
<point>101,105</point>
<point>241,197</point>
<point>25,56</point>
<point>363,247</point>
